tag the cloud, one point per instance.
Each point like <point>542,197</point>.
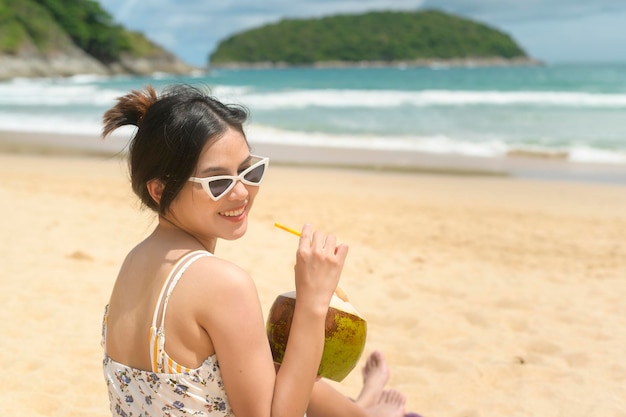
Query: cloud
<point>527,9</point>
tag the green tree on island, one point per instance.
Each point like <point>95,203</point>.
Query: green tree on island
<point>376,36</point>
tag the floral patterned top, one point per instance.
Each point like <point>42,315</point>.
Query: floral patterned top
<point>137,393</point>
<point>168,390</point>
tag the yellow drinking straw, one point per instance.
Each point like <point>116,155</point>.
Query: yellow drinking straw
<point>288,229</point>
<point>339,292</point>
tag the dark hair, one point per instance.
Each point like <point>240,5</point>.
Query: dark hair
<point>172,131</point>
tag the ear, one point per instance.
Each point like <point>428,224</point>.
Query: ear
<point>155,188</point>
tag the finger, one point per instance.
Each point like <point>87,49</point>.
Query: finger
<point>305,236</point>
<point>318,240</point>
<point>330,243</point>
<point>341,251</point>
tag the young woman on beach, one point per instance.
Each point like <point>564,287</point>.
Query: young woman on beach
<point>190,162</point>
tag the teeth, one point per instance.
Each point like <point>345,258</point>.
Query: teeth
<point>233,213</point>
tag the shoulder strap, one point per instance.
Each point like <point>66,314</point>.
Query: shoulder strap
<point>171,277</point>
<point>190,259</point>
<point>105,319</point>
<point>157,334</point>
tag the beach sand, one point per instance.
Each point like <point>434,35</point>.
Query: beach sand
<point>489,295</point>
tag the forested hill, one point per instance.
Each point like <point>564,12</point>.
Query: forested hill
<point>375,37</point>
<point>63,37</point>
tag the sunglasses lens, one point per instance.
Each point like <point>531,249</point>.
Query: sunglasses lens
<point>256,175</point>
<point>218,187</point>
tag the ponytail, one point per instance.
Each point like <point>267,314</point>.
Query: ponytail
<point>129,110</point>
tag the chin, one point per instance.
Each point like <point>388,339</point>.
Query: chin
<point>236,233</point>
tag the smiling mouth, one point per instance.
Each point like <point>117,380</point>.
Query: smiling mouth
<point>234,213</point>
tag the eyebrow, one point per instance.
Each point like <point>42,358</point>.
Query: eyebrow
<point>215,170</point>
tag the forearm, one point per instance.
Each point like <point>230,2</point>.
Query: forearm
<point>298,371</point>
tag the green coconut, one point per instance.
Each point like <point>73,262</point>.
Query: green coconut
<point>345,335</point>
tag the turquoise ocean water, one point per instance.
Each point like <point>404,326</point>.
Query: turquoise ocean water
<point>576,112</point>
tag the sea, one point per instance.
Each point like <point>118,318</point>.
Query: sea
<point>572,112</point>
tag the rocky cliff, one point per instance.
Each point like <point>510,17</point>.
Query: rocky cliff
<point>50,38</point>
<point>68,63</point>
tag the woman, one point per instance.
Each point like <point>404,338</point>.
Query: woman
<point>190,162</point>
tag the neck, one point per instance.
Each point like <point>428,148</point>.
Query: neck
<point>177,233</point>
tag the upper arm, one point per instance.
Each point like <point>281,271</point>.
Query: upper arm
<point>231,315</point>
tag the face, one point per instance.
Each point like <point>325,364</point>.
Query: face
<point>196,212</point>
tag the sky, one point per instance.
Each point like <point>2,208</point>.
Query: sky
<point>553,31</point>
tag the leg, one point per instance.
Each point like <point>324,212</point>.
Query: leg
<point>328,402</point>
<point>372,401</point>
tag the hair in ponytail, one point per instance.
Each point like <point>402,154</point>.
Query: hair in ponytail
<point>130,110</point>
<point>172,131</point>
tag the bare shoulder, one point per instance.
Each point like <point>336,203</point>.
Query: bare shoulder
<point>220,295</point>
<point>214,275</point>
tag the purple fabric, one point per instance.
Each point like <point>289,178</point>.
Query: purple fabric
<point>412,415</point>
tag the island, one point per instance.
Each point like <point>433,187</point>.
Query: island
<point>424,37</point>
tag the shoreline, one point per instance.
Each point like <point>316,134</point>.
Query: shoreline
<point>418,63</point>
<point>76,66</point>
<point>515,166</point>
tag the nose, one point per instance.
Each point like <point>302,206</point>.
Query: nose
<point>239,191</point>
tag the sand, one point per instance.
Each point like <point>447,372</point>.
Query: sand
<point>489,295</point>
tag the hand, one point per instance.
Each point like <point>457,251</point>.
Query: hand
<point>319,262</point>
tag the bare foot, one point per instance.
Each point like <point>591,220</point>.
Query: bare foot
<point>375,376</point>
<point>390,404</point>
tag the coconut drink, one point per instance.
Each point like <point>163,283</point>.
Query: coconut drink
<point>345,334</point>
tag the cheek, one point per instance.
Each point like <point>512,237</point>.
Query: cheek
<point>190,202</point>
<point>252,192</point>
